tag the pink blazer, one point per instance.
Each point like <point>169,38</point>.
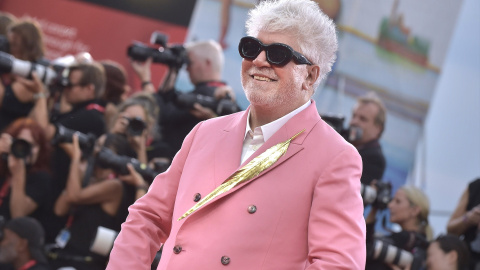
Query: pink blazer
<point>304,212</point>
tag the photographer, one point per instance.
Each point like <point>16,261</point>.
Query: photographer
<point>24,177</point>
<point>85,86</point>
<point>205,64</point>
<point>135,122</point>
<point>24,42</point>
<point>21,245</point>
<point>465,221</point>
<point>365,129</point>
<point>87,207</point>
<point>409,209</point>
<point>116,88</point>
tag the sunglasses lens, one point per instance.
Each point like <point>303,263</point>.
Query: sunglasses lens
<point>250,48</point>
<point>278,55</point>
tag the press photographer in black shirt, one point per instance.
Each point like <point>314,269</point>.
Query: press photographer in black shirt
<point>364,132</point>
<point>180,112</point>
<point>85,86</point>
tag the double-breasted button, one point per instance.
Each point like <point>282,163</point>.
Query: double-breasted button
<point>225,260</point>
<point>197,197</point>
<point>252,209</point>
<point>177,249</point>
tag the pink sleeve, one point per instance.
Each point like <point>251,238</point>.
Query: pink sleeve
<point>150,217</point>
<point>336,229</point>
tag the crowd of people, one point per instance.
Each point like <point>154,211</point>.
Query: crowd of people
<point>89,155</point>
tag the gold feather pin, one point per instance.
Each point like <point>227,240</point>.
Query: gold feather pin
<point>247,172</point>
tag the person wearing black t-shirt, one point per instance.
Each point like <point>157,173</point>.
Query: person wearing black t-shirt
<point>364,132</point>
<point>21,247</point>
<point>465,221</point>
<point>24,181</point>
<point>86,83</point>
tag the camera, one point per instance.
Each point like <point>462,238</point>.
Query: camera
<point>334,120</point>
<point>65,135</point>
<point>20,148</point>
<point>106,158</point>
<point>379,197</point>
<point>174,56</point>
<point>135,126</point>
<point>9,64</point>
<point>220,107</point>
<point>389,253</point>
<point>412,250</point>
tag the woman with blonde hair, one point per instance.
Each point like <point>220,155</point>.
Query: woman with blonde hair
<point>409,208</point>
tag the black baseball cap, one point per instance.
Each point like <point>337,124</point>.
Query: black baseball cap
<point>30,229</point>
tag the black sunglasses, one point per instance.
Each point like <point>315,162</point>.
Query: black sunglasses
<point>278,54</point>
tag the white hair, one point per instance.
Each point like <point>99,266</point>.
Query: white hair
<point>303,19</point>
<point>210,50</point>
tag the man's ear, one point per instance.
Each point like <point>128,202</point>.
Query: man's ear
<point>313,72</point>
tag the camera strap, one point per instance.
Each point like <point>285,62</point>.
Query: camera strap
<point>94,106</point>
<point>4,190</point>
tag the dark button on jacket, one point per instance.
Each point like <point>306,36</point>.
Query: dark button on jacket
<point>252,209</point>
<point>197,197</point>
<point>177,249</point>
<point>225,260</point>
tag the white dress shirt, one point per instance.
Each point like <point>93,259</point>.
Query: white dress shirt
<point>256,138</point>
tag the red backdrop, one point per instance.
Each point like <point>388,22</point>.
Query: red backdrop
<point>71,27</point>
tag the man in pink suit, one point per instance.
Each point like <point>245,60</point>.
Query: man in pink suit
<point>301,209</point>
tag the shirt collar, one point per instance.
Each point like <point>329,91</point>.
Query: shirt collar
<point>269,129</point>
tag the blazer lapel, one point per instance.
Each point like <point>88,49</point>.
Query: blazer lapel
<point>229,149</point>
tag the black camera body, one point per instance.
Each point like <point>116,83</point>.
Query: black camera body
<point>135,126</point>
<point>19,148</point>
<point>223,106</point>
<point>379,197</point>
<point>106,158</point>
<point>174,56</point>
<point>334,120</point>
<point>65,135</point>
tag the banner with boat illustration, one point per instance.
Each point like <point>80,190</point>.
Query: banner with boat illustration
<point>395,48</point>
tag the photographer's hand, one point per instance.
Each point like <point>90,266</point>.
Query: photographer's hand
<point>472,217</point>
<point>202,113</point>
<point>5,142</point>
<point>224,91</point>
<point>142,69</point>
<point>169,82</point>
<point>73,149</point>
<point>135,179</point>
<point>139,144</point>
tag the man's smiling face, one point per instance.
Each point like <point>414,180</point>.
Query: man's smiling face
<point>270,86</point>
